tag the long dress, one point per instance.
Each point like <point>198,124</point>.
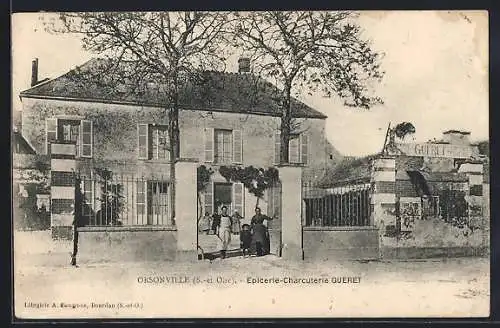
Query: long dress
<point>236,227</point>
<point>259,239</point>
<point>225,231</point>
<point>262,232</point>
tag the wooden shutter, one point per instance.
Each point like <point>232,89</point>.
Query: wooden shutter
<point>238,198</point>
<point>304,148</point>
<point>209,199</point>
<point>209,145</point>
<point>86,138</point>
<point>237,146</point>
<point>277,146</point>
<point>142,140</point>
<point>50,133</point>
<point>294,149</point>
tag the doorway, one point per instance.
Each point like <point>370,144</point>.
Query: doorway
<point>223,196</point>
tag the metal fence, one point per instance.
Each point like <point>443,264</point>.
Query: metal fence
<point>336,207</point>
<point>122,200</point>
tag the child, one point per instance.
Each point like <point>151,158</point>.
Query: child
<point>245,239</point>
<point>216,223</point>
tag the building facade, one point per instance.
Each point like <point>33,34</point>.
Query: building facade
<point>122,144</point>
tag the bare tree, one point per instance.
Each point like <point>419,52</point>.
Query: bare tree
<point>317,51</point>
<point>164,51</point>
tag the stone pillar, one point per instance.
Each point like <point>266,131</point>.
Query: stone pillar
<point>186,208</point>
<point>291,210</point>
<point>383,198</point>
<point>62,189</point>
<point>475,198</point>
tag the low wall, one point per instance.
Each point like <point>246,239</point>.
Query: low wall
<point>340,243</point>
<point>275,241</point>
<point>126,244</point>
<point>436,238</point>
<point>402,253</point>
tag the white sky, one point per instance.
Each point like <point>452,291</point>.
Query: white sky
<point>436,66</point>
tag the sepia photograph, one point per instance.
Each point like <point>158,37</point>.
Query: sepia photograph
<point>250,164</point>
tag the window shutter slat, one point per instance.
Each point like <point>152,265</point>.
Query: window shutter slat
<point>237,146</point>
<point>50,133</point>
<point>209,145</point>
<point>304,148</point>
<point>86,138</point>
<point>208,198</point>
<point>277,146</point>
<point>142,140</point>
<point>238,198</point>
<point>294,149</point>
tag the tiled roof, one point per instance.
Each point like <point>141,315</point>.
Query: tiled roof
<point>219,91</point>
<point>349,170</point>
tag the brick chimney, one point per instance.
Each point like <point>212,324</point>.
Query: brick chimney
<point>244,65</point>
<point>34,72</point>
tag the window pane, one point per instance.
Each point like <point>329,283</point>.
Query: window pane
<point>86,138</point>
<point>86,149</point>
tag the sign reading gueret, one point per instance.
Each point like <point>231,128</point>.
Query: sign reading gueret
<point>436,150</point>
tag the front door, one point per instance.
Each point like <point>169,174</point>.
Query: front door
<point>223,196</point>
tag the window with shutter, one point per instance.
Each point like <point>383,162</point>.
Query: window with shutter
<point>209,199</point>
<point>209,145</point>
<point>238,198</point>
<point>86,138</point>
<point>159,143</point>
<point>50,133</point>
<point>304,148</point>
<point>142,139</point>
<point>237,147</point>
<point>223,146</point>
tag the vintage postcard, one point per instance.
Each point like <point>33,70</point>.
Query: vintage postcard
<point>250,164</point>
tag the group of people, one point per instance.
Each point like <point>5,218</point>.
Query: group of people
<point>254,237</point>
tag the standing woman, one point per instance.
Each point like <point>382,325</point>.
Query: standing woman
<point>260,232</point>
<point>236,223</point>
<point>225,231</point>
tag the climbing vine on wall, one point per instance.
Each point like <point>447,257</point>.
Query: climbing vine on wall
<point>255,180</point>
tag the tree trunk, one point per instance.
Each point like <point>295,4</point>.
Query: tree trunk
<point>286,119</point>
<point>174,155</point>
<point>257,202</point>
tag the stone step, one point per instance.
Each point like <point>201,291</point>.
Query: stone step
<point>210,243</point>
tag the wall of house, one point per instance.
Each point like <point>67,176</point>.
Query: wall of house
<point>115,138</point>
<point>115,133</point>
